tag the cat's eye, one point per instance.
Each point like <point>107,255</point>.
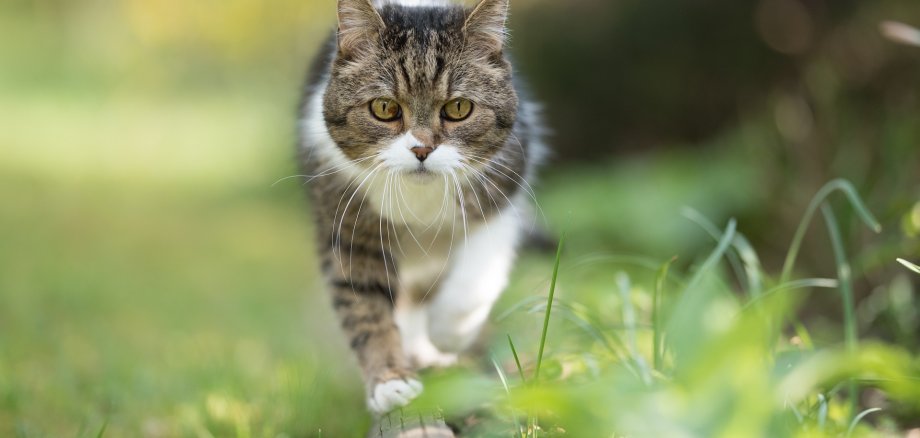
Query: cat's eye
<point>457,110</point>
<point>385,109</point>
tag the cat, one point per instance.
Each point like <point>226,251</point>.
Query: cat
<point>420,150</point>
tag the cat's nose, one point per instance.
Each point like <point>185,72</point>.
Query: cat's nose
<point>422,152</point>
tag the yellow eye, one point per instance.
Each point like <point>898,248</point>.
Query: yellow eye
<point>457,110</point>
<point>385,109</point>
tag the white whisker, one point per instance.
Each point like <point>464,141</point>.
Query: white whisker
<point>345,210</point>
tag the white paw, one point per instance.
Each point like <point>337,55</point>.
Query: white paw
<point>392,394</point>
<point>428,356</point>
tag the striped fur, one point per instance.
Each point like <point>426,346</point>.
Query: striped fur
<point>415,253</point>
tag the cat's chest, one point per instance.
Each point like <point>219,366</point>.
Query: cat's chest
<point>423,227</point>
<point>424,255</point>
<point>420,206</point>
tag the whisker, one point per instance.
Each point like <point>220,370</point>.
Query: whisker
<point>335,237</point>
<point>462,208</point>
<point>501,192</point>
<point>326,172</point>
<point>345,210</point>
<point>450,246</point>
<point>475,195</point>
<point>398,196</point>
<point>388,195</point>
<point>528,189</point>
<point>354,230</point>
<point>386,266</point>
<point>519,180</point>
<point>442,217</point>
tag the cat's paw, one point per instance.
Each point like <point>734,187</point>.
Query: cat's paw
<point>428,356</point>
<point>391,394</point>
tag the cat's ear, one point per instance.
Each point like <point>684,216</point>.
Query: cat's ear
<point>359,25</point>
<point>485,25</point>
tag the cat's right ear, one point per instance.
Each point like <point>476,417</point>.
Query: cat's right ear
<point>359,26</point>
<point>485,25</point>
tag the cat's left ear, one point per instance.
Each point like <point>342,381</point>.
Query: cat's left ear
<point>485,25</point>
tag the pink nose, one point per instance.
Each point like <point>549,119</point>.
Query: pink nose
<point>422,152</point>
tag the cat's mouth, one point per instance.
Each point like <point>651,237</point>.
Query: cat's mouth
<point>422,172</point>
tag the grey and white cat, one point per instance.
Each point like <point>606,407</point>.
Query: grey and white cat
<point>420,150</point>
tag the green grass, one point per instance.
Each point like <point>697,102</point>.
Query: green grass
<point>155,282</point>
<point>724,370</point>
<point>173,315</point>
<point>197,312</point>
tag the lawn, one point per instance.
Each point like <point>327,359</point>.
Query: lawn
<point>156,281</point>
<point>162,295</point>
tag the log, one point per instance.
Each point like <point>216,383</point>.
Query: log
<point>411,424</point>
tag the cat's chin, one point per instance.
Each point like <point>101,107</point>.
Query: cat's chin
<point>421,174</point>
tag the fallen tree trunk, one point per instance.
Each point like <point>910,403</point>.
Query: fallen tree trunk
<point>409,424</point>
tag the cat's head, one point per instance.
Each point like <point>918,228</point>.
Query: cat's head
<point>418,89</point>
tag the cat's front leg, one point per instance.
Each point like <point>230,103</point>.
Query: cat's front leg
<point>478,275</point>
<point>363,284</point>
<point>412,320</point>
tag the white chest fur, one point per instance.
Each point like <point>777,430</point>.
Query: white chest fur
<point>421,205</point>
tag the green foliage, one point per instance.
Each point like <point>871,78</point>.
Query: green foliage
<point>724,369</point>
<point>155,281</point>
<point>179,309</point>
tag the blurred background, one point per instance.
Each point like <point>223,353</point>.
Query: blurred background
<point>156,276</point>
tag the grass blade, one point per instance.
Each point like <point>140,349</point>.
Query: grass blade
<point>607,338</point>
<point>858,418</point>
<point>583,319</point>
<point>844,274</point>
<point>101,432</point>
<point>795,411</point>
<point>836,185</point>
<point>504,380</point>
<point>549,307</point>
<point>684,322</point>
<point>629,321</point>
<point>804,336</point>
<point>501,375</point>
<point>909,265</point>
<point>753,273</point>
<point>517,361</point>
<point>752,265</point>
<point>822,411</point>
<point>714,257</point>
<point>826,283</point>
<point>519,306</point>
<point>657,297</point>
<point>713,231</point>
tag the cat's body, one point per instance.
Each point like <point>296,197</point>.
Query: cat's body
<point>419,151</point>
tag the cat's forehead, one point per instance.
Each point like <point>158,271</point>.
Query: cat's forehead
<point>419,30</point>
<point>420,46</point>
<point>423,55</point>
<point>423,19</point>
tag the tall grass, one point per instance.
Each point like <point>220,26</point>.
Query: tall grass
<point>549,307</point>
<point>909,265</point>
<point>722,364</point>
